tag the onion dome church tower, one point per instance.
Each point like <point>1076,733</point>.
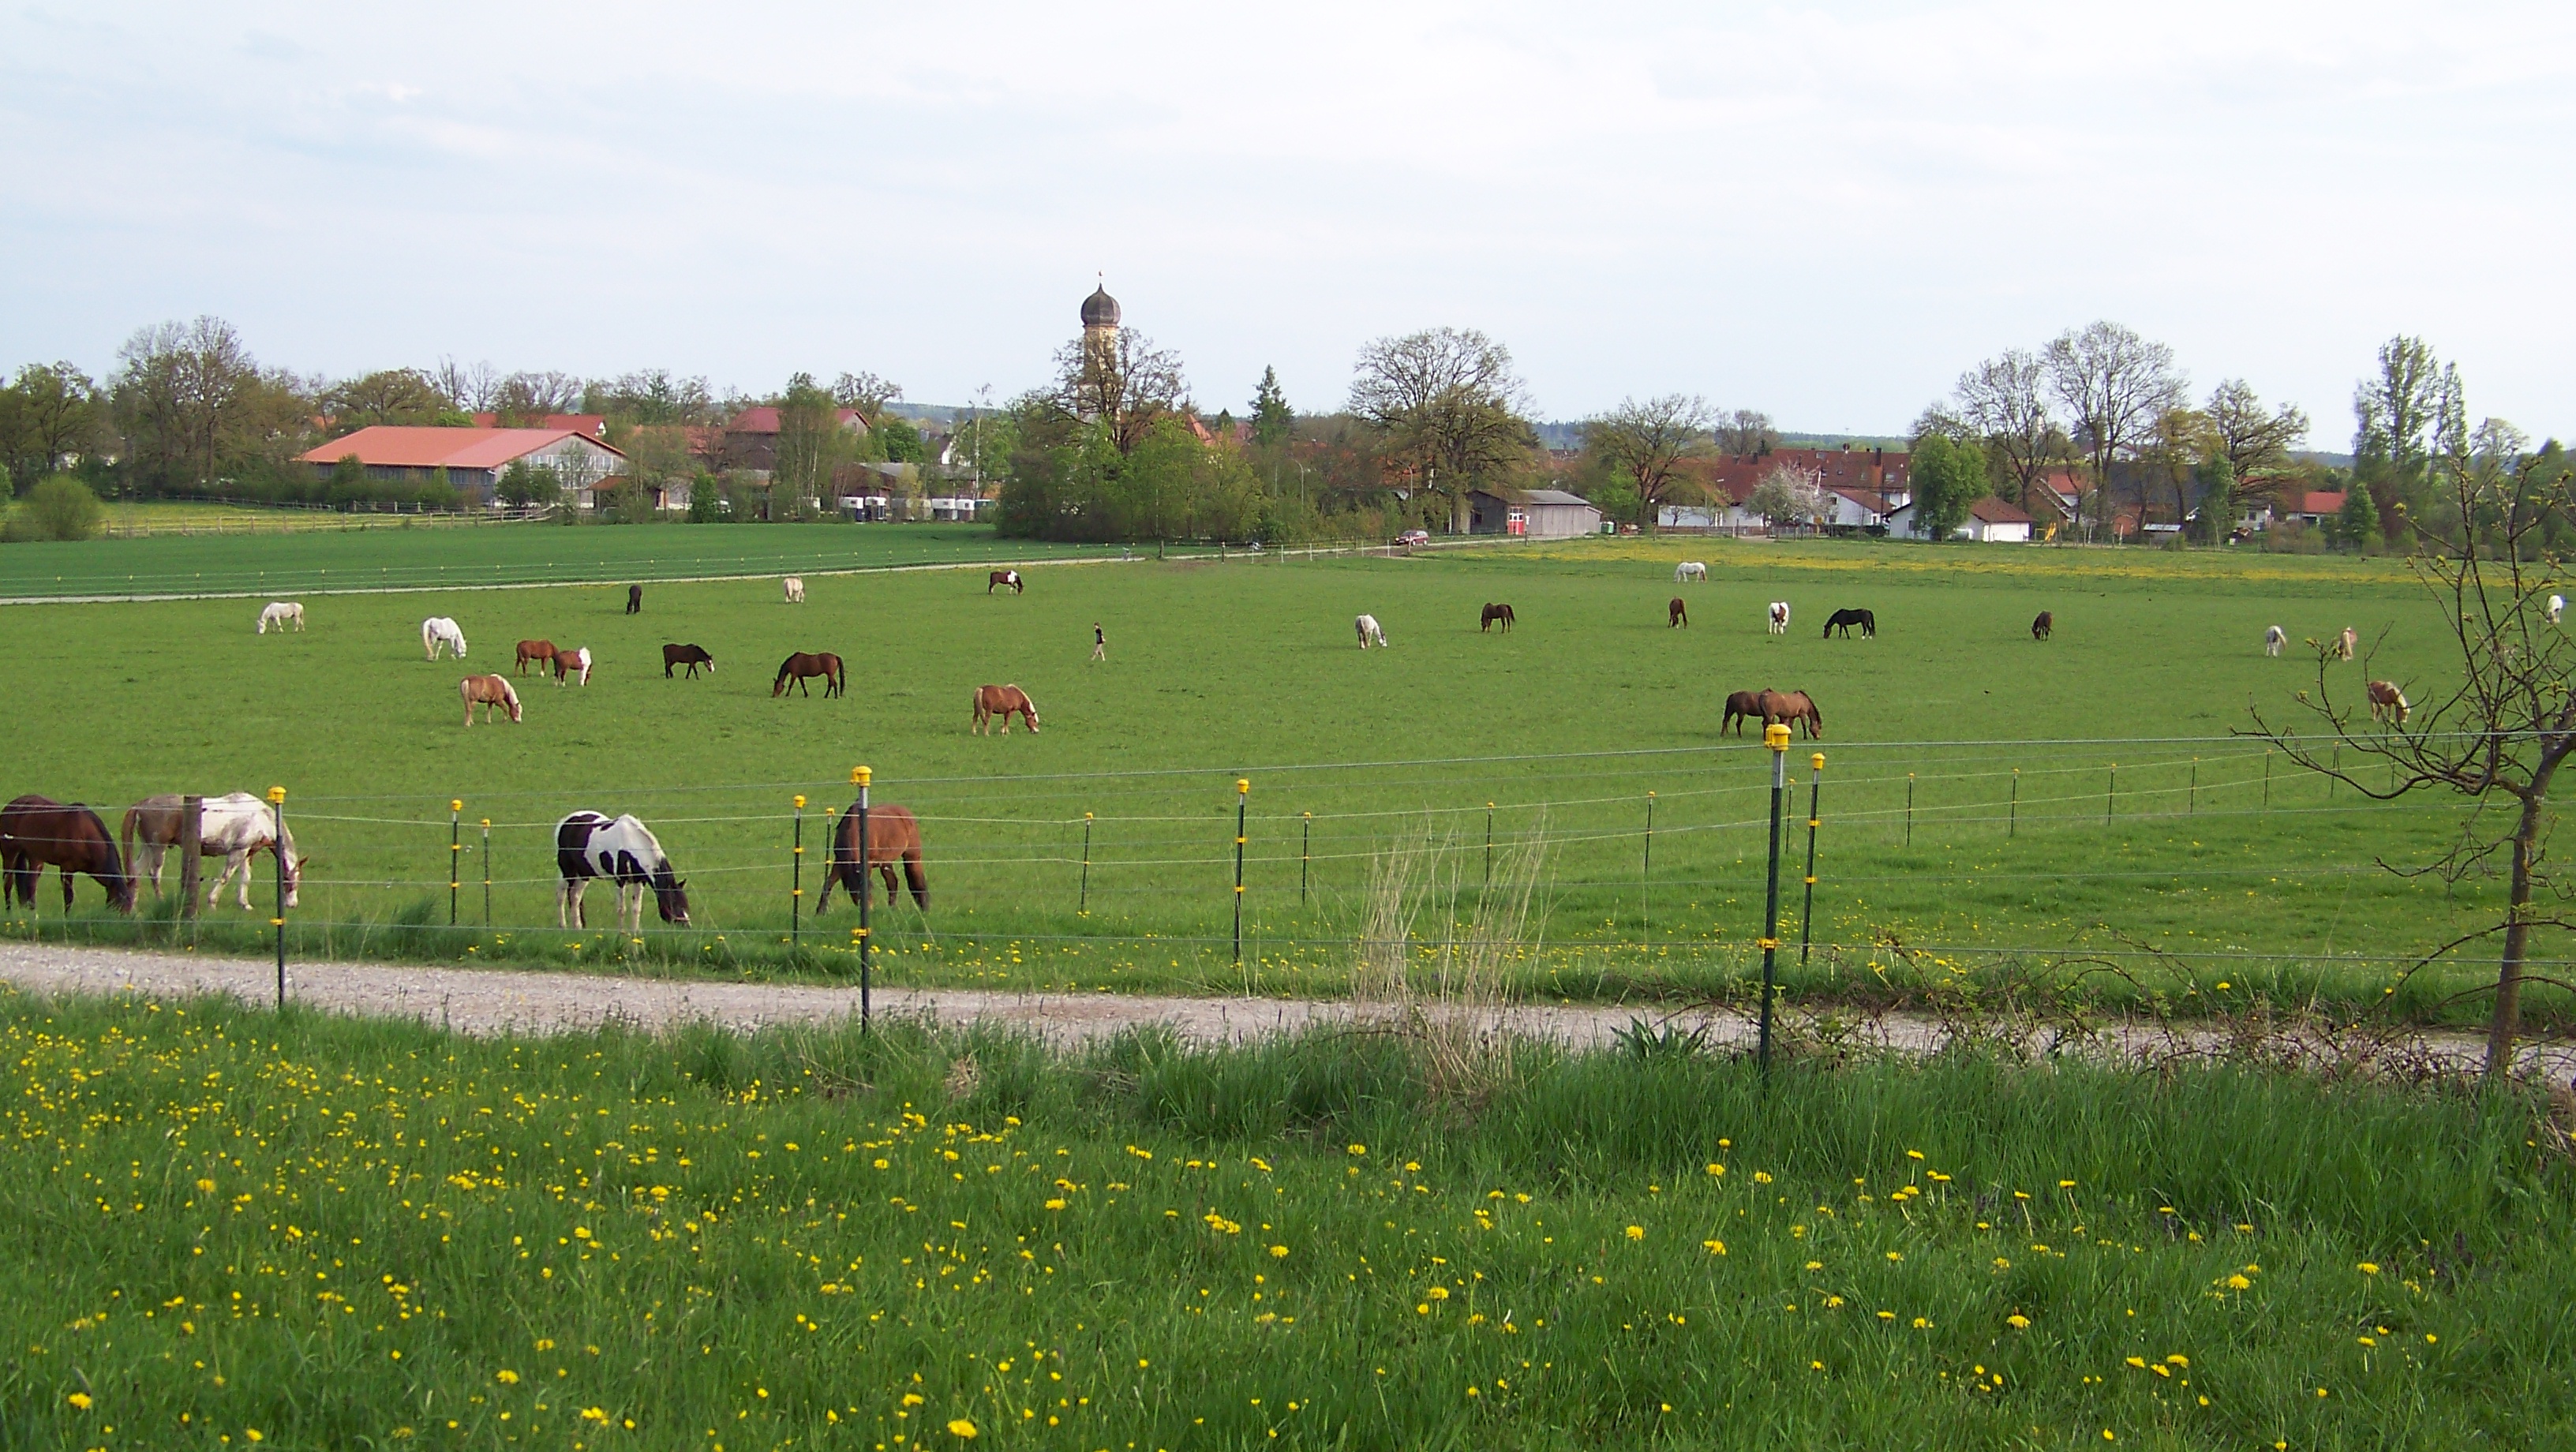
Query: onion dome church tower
<point>1099,348</point>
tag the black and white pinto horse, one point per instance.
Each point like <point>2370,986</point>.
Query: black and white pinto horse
<point>589,845</point>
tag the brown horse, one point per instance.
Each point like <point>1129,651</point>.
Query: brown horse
<point>1741,707</point>
<point>37,833</point>
<point>488,692</point>
<point>1003,701</point>
<point>1793,706</point>
<point>800,667</point>
<point>2040,628</point>
<point>687,655</point>
<point>1004,580</point>
<point>1493,613</point>
<point>892,834</point>
<point>536,650</point>
<point>1676,613</point>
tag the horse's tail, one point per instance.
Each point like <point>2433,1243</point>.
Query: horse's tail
<point>915,878</point>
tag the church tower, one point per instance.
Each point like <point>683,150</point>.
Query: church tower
<point>1099,348</point>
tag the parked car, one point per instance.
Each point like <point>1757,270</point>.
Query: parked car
<point>1412,537</point>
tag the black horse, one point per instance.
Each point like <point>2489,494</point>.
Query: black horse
<point>1846,619</point>
<point>634,599</point>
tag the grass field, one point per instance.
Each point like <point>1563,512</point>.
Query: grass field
<point>2080,820</point>
<point>240,1229</point>
<point>393,554</point>
<point>138,518</point>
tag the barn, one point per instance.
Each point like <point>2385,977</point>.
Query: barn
<point>1535,513</point>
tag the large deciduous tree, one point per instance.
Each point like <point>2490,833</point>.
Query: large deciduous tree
<point>2005,403</point>
<point>2115,386</point>
<point>181,395</point>
<point>1449,408</point>
<point>2255,441</point>
<point>866,393</point>
<point>812,444</point>
<point>1746,432</point>
<point>1645,443</point>
<point>1948,476</point>
<point>387,396</point>
<point>2401,417</point>
<point>1124,383</point>
<point>524,399</point>
<point>47,415</point>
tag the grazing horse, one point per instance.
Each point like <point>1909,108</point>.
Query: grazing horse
<point>800,667</point>
<point>38,832</point>
<point>1676,614</point>
<point>589,845</point>
<point>488,692</point>
<point>1493,613</point>
<point>794,589</point>
<point>575,663</point>
<point>1689,570</point>
<point>2274,637</point>
<point>437,633</point>
<point>687,655</point>
<point>1003,580</point>
<point>1793,706</point>
<point>893,835</point>
<point>281,613</point>
<point>1742,706</point>
<point>2043,627</point>
<point>2344,643</point>
<point>634,599</point>
<point>1777,618</point>
<point>1368,630</point>
<point>1846,619</point>
<point>2387,701</point>
<point>542,651</point>
<point>2557,607</point>
<point>1004,702</point>
<point>235,827</point>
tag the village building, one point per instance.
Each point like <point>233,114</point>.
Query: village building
<point>1534,513</point>
<point>471,460</point>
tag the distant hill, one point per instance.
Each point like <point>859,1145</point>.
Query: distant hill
<point>1559,434</point>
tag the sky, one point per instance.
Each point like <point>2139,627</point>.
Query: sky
<point>1822,211</point>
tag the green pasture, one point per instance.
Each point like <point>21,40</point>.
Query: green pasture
<point>238,1229</point>
<point>2081,819</point>
<point>400,554</point>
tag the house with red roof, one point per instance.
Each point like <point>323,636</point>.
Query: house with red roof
<point>751,437</point>
<point>472,460</point>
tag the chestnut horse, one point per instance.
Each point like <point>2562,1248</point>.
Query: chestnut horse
<point>893,835</point>
<point>488,692</point>
<point>1742,706</point>
<point>1793,706</point>
<point>1003,701</point>
<point>537,650</point>
<point>38,832</point>
<point>800,667</point>
<point>1493,613</point>
<point>2040,628</point>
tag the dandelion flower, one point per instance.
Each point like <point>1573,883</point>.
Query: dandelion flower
<point>79,1399</point>
<point>961,1428</point>
<point>1359,1149</point>
<point>506,1377</point>
<point>2367,1268</point>
<point>1636,1232</point>
<point>1714,1247</point>
<point>2017,1321</point>
<point>1279,1252</point>
<point>1896,1255</point>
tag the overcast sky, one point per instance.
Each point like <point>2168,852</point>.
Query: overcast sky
<point>1824,211</point>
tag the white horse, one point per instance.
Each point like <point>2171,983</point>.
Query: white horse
<point>1779,617</point>
<point>794,588</point>
<point>437,633</point>
<point>2345,643</point>
<point>574,663</point>
<point>588,845</point>
<point>1368,630</point>
<point>1689,570</point>
<point>232,827</point>
<point>2557,607</point>
<point>2274,637</point>
<point>281,613</point>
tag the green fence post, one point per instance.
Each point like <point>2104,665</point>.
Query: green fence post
<point>1242,805</point>
<point>455,847</point>
<point>1776,737</point>
<point>1082,901</point>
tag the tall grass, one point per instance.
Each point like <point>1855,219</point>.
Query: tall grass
<point>345,1234</point>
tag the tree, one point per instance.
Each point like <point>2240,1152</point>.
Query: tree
<point>348,483</point>
<point>2501,733</point>
<point>525,399</point>
<point>524,484</point>
<point>2214,480</point>
<point>901,442</point>
<point>1948,476</point>
<point>2255,442</point>
<point>468,388</point>
<point>389,396</point>
<point>1448,406</point>
<point>178,394</point>
<point>2004,401</point>
<point>1126,384</point>
<point>47,416</point>
<point>1645,444</point>
<point>1786,497</point>
<point>650,397</point>
<point>811,444</point>
<point>1271,416</point>
<point>1747,432</point>
<point>2115,385</point>
<point>2400,417</point>
<point>2357,522</point>
<point>867,394</point>
<point>59,507</point>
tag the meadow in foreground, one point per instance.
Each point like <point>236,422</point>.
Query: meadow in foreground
<point>2074,800</point>
<point>302,1232</point>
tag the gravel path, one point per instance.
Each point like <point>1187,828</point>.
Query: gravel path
<point>493,1001</point>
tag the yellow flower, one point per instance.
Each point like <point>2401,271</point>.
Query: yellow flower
<point>2017,1321</point>
<point>1055,1204</point>
<point>2238,1283</point>
<point>1636,1232</point>
<point>1714,1247</point>
<point>506,1378</point>
<point>1761,1177</point>
<point>1438,1293</point>
<point>1359,1149</point>
<point>593,1414</point>
<point>962,1428</point>
<point>1896,1255</point>
<point>2367,1268</point>
<point>1914,1154</point>
<point>1717,1169</point>
<point>1279,1252</point>
<point>205,1187</point>
<point>79,1399</point>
